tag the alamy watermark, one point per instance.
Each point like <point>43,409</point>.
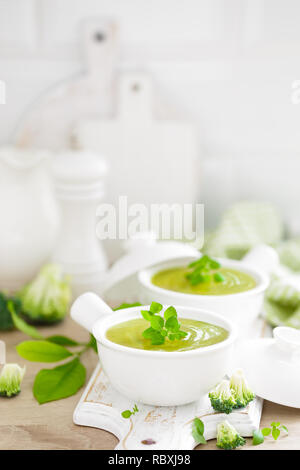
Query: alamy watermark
<point>2,92</point>
<point>167,221</point>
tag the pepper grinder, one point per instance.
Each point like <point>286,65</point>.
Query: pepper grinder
<point>79,182</point>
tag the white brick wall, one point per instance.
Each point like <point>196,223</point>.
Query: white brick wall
<point>227,64</point>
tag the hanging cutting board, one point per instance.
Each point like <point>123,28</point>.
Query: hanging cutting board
<point>49,122</point>
<point>150,160</point>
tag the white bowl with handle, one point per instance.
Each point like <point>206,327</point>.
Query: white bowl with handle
<point>156,377</point>
<point>241,308</point>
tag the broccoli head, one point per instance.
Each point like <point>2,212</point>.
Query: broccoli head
<point>242,392</point>
<point>46,299</point>
<point>222,398</point>
<point>10,380</point>
<point>228,437</point>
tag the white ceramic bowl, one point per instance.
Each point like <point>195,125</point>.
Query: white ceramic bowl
<point>154,377</point>
<point>241,308</point>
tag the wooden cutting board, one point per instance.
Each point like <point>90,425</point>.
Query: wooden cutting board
<point>150,160</point>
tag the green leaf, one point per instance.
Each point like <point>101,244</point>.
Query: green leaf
<point>42,351</point>
<point>60,382</point>
<point>21,325</point>
<point>126,414</point>
<point>198,430</point>
<point>199,425</point>
<point>266,431</point>
<point>172,324</point>
<point>258,437</point>
<point>275,433</point>
<point>148,333</point>
<point>62,340</point>
<point>218,277</point>
<point>284,428</point>
<point>93,343</point>
<point>157,322</point>
<point>157,338</point>
<point>155,307</point>
<point>170,312</point>
<point>122,306</point>
<point>146,315</point>
<point>275,423</point>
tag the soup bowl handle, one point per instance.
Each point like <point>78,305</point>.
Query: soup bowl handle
<point>87,309</point>
<point>262,257</point>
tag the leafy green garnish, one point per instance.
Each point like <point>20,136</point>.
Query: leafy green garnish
<point>203,270</point>
<point>274,430</point>
<point>162,327</point>
<point>127,413</point>
<point>258,437</point>
<point>198,431</point>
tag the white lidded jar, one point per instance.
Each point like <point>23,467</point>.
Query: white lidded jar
<point>29,215</point>
<point>79,182</point>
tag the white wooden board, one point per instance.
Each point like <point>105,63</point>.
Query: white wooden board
<point>164,427</point>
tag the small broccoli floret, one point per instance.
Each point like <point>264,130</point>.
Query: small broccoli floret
<point>242,392</point>
<point>10,380</point>
<point>228,437</point>
<point>221,398</point>
<point>46,299</point>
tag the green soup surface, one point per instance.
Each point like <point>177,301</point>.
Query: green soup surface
<point>199,335</point>
<point>175,279</point>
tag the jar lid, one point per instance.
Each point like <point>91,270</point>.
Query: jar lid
<point>271,366</point>
<point>79,173</point>
<point>145,251</point>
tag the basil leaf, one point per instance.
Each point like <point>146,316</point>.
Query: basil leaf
<point>62,340</point>
<point>285,428</point>
<point>172,324</point>
<point>21,325</point>
<point>146,315</point>
<point>157,338</point>
<point>157,322</point>
<point>275,423</point>
<point>60,382</point>
<point>266,431</point>
<point>126,414</point>
<point>155,307</point>
<point>275,433</point>
<point>258,437</point>
<point>199,425</point>
<point>42,351</point>
<point>170,312</point>
<point>148,333</point>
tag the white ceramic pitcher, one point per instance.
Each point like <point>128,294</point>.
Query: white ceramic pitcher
<point>29,216</point>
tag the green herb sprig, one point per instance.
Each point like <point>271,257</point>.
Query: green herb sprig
<point>162,327</point>
<point>275,430</point>
<point>198,431</point>
<point>204,271</point>
<point>128,413</point>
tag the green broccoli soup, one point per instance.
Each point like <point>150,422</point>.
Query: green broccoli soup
<point>177,279</point>
<point>199,334</point>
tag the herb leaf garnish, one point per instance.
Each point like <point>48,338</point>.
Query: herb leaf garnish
<point>198,431</point>
<point>162,327</point>
<point>274,430</point>
<point>204,270</point>
<point>128,413</point>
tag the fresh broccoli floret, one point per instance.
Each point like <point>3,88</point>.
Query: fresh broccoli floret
<point>228,437</point>
<point>10,380</point>
<point>46,299</point>
<point>221,398</point>
<point>239,386</point>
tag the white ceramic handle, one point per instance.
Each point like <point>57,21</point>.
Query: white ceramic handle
<point>287,339</point>
<point>87,309</point>
<point>262,257</point>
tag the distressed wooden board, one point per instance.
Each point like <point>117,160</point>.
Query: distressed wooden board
<point>170,427</point>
